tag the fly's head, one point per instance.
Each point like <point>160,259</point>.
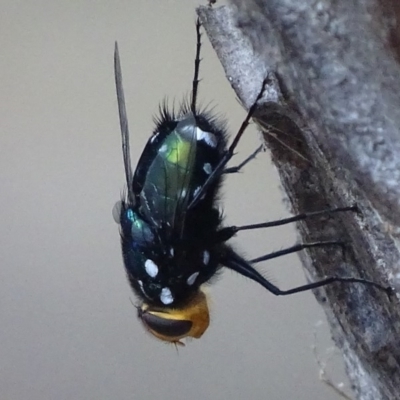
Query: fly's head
<point>172,325</point>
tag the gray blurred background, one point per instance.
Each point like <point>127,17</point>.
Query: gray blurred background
<point>68,328</point>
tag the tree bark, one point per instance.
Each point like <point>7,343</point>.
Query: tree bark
<point>330,116</point>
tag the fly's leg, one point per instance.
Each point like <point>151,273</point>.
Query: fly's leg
<point>237,168</point>
<point>230,151</point>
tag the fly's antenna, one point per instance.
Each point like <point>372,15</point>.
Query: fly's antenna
<point>196,67</point>
<point>123,120</point>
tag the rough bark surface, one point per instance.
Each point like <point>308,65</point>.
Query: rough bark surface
<point>331,116</point>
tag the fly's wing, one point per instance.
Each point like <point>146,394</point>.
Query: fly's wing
<point>168,184</point>
<point>124,124</point>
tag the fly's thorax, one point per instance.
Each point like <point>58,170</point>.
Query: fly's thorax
<point>164,269</point>
<point>172,324</point>
<point>169,278</point>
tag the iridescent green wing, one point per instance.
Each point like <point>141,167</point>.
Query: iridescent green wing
<point>168,184</point>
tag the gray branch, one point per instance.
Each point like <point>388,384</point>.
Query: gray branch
<point>330,117</point>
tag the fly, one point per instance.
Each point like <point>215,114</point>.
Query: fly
<point>172,237</point>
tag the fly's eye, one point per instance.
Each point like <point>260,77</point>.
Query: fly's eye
<point>174,324</point>
<point>165,328</point>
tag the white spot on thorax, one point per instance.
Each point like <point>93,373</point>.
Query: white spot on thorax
<point>172,251</point>
<point>153,138</point>
<point>208,137</point>
<point>207,168</point>
<point>151,268</point>
<point>197,190</point>
<point>206,257</point>
<point>142,288</point>
<point>166,296</point>
<point>192,278</point>
<point>163,148</point>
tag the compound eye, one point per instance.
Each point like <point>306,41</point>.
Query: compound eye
<point>165,328</point>
<point>173,324</point>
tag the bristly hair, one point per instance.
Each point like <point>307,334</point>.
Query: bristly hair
<point>166,113</point>
<point>124,195</point>
<point>170,113</point>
